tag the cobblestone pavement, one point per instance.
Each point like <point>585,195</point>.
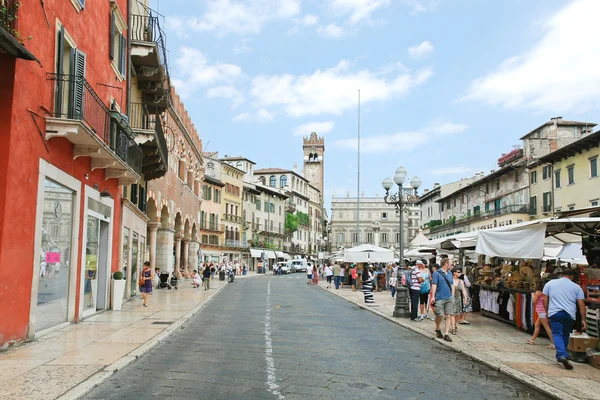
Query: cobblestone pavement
<point>322,347</point>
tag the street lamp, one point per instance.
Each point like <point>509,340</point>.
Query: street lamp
<point>404,198</point>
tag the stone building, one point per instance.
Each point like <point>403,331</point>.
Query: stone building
<point>232,177</point>
<point>212,229</point>
<point>379,223</point>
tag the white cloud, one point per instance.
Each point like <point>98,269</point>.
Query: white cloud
<point>262,115</point>
<point>332,30</point>
<point>193,70</point>
<point>243,47</point>
<point>357,10</point>
<point>421,50</point>
<point>401,141</point>
<point>421,6</point>
<point>558,74</point>
<point>453,171</point>
<point>333,90</point>
<point>308,20</point>
<point>319,127</point>
<point>226,92</point>
<point>242,16</point>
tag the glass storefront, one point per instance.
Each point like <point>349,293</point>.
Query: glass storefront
<point>57,228</point>
<point>134,264</point>
<point>90,290</point>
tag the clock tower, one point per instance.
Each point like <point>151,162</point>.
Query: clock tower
<point>314,149</point>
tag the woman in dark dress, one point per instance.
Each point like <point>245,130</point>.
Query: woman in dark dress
<point>146,278</point>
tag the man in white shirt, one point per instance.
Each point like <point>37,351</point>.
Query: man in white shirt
<point>328,275</point>
<point>562,296</point>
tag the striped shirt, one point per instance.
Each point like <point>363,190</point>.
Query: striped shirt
<point>415,275</point>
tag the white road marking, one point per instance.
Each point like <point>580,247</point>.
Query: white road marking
<point>271,379</point>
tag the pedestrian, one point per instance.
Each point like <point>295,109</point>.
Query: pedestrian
<point>442,299</point>
<point>328,275</point>
<point>146,277</point>
<point>308,275</point>
<point>424,291</point>
<point>206,276</point>
<point>460,298</point>
<point>342,275</point>
<point>197,281</point>
<point>353,275</point>
<point>415,289</point>
<point>212,271</point>
<point>561,297</point>
<point>393,283</point>
<point>367,285</point>
<point>538,300</point>
<point>315,275</point>
<point>468,305</point>
<point>336,275</point>
<point>156,280</point>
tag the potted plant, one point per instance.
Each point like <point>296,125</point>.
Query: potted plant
<point>118,290</point>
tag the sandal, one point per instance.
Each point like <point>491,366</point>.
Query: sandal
<point>529,341</point>
<point>551,346</point>
<point>438,333</point>
<point>453,331</point>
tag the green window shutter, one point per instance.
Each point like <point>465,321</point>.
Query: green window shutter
<point>59,70</point>
<point>79,85</point>
<point>123,54</point>
<point>111,39</point>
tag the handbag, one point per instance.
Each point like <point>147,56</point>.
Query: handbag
<point>141,280</point>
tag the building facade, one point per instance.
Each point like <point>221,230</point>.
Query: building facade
<point>65,153</point>
<point>212,229</point>
<point>379,223</point>
<point>234,246</point>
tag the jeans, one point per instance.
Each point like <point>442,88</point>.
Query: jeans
<point>336,281</point>
<point>561,325</point>
<point>414,303</point>
<point>393,288</point>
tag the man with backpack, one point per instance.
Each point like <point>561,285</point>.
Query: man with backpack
<point>442,298</point>
<point>413,281</point>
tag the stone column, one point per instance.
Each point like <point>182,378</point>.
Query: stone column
<point>186,249</point>
<point>152,230</point>
<point>194,246</point>
<point>164,249</point>
<point>176,271</point>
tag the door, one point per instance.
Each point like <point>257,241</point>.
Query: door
<point>96,268</point>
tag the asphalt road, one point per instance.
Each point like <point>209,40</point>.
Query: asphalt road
<point>278,338</point>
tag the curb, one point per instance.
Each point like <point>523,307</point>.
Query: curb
<point>544,388</point>
<point>103,375</point>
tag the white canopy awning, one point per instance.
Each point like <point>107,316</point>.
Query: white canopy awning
<point>419,240</point>
<point>281,254</point>
<point>524,242</point>
<point>368,253</point>
<point>256,253</point>
<point>458,241</point>
<point>270,254</point>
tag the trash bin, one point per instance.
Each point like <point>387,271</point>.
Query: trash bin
<point>221,275</point>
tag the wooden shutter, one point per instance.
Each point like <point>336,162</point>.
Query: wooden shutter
<point>111,39</point>
<point>60,49</point>
<point>78,86</point>
<point>123,54</point>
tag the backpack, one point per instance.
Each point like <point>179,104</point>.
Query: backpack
<point>407,278</point>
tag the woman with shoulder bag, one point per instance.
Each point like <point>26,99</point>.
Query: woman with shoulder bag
<point>146,277</point>
<point>424,292</point>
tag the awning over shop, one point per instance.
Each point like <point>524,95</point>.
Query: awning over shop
<point>419,240</point>
<point>270,254</point>
<point>281,254</point>
<point>368,253</point>
<point>524,242</point>
<point>458,241</point>
<point>256,253</point>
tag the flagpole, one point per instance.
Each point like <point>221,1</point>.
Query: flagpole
<point>358,180</point>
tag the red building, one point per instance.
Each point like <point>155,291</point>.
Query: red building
<point>66,149</point>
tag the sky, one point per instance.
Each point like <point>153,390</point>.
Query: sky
<point>446,86</point>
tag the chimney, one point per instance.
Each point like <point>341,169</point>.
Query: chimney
<point>556,119</point>
<point>425,191</point>
<point>436,185</point>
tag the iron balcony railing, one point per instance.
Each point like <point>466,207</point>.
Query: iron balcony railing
<point>146,28</point>
<point>232,218</point>
<point>75,99</point>
<point>514,208</point>
<point>233,243</point>
<point>212,226</point>
<point>140,118</point>
<point>9,10</point>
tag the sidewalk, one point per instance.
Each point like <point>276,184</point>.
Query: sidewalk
<point>71,361</point>
<point>499,346</point>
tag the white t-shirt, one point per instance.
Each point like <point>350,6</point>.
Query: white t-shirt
<point>342,271</point>
<point>328,271</point>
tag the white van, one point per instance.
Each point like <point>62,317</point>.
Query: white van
<point>298,265</point>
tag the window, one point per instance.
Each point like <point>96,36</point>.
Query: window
<point>69,92</point>
<point>571,174</point>
<point>533,177</point>
<point>355,237</point>
<point>546,172</point>
<point>571,207</point>
<point>369,237</point>
<point>547,206</point>
<point>258,204</point>
<point>498,184</point>
<point>557,179</point>
<point>283,181</point>
<point>594,167</point>
<point>272,181</point>
<point>533,205</point>
<point>181,171</point>
<point>397,237</point>
<point>384,238</point>
<point>118,41</point>
<point>594,203</point>
<point>517,176</point>
<point>263,180</point>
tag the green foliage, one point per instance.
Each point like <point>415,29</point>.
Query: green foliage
<point>434,223</point>
<point>291,222</point>
<point>303,219</point>
<point>118,275</point>
<point>7,17</point>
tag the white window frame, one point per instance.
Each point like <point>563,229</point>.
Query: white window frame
<point>121,25</point>
<point>49,171</point>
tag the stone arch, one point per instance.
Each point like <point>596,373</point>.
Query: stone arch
<point>194,232</point>
<point>186,229</point>
<point>151,210</point>
<point>164,217</point>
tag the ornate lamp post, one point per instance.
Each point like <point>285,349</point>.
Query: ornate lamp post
<point>404,198</point>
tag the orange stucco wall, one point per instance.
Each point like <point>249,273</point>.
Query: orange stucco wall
<point>22,144</point>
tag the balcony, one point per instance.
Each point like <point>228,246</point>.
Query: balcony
<point>212,227</point>
<point>104,135</point>
<point>149,59</point>
<point>478,216</point>
<point>150,137</point>
<point>11,41</point>
<point>274,231</point>
<point>232,218</point>
<point>235,243</point>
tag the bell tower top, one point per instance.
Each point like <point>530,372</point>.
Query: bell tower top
<point>314,149</point>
